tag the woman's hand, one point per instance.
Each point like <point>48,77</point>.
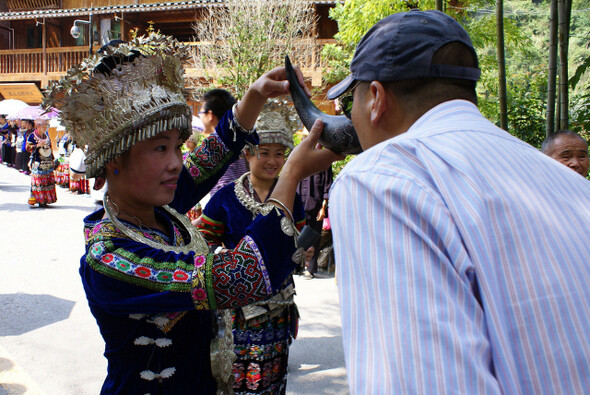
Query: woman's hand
<point>309,157</point>
<point>306,159</point>
<point>272,84</point>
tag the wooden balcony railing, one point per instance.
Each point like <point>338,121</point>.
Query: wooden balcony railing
<point>52,63</point>
<point>35,61</point>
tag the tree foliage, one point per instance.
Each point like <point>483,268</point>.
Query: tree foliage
<point>243,39</point>
<point>526,46</point>
<point>355,18</point>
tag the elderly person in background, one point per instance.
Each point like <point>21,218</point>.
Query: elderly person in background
<point>569,148</point>
<point>22,155</point>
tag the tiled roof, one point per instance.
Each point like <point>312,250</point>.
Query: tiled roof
<point>164,6</point>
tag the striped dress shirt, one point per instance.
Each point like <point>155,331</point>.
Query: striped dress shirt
<point>463,260</point>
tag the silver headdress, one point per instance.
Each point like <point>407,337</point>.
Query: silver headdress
<point>122,96</point>
<point>272,128</point>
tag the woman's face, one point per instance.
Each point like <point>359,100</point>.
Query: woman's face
<point>26,125</point>
<point>270,163</point>
<point>148,172</point>
<point>41,126</point>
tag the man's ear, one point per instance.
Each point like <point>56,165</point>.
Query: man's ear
<point>378,99</point>
<point>213,118</point>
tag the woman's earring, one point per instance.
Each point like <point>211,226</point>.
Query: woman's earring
<point>116,172</point>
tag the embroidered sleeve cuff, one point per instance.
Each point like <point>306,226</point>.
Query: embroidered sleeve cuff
<point>201,292</point>
<point>232,279</point>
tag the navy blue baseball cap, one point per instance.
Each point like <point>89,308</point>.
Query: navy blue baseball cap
<point>400,47</point>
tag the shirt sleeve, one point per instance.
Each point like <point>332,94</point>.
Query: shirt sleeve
<point>412,319</point>
<point>328,183</point>
<point>125,276</point>
<point>30,142</point>
<point>298,213</point>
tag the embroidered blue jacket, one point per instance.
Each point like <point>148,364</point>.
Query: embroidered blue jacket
<point>153,307</point>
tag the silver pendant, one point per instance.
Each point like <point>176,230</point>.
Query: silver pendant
<point>287,226</point>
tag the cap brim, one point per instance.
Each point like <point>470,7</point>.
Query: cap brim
<point>340,88</point>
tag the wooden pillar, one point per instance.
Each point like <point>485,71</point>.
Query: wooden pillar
<point>44,47</point>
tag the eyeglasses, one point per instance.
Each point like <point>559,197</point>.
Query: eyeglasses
<point>346,100</point>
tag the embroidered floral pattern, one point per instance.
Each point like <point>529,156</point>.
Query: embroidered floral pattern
<point>124,265</point>
<point>271,378</point>
<point>199,285</point>
<point>253,376</point>
<point>208,158</point>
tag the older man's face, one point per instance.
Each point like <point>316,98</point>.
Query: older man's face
<point>572,152</point>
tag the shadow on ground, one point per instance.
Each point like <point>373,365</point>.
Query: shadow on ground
<point>21,313</point>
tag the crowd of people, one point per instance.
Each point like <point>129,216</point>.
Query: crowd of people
<point>461,262</point>
<point>27,147</point>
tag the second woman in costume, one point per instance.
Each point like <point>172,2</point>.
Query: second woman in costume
<point>264,330</point>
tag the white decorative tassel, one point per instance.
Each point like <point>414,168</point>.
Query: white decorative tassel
<point>145,341</point>
<point>164,374</point>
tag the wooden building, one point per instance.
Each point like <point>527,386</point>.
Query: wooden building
<point>36,44</point>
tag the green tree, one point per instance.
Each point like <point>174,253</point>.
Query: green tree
<point>355,18</point>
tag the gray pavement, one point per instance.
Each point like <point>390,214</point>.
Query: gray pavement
<point>49,341</point>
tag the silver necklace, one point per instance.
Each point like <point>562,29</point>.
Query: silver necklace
<point>126,213</point>
<point>197,243</point>
<point>247,200</point>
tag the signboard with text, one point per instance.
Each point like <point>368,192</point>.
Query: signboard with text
<point>27,92</point>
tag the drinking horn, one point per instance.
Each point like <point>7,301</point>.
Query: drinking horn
<point>338,134</point>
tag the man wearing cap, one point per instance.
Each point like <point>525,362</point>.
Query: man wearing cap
<point>464,267</point>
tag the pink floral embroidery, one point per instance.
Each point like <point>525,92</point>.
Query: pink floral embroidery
<point>199,294</point>
<point>107,258</point>
<point>199,261</point>
<point>194,171</point>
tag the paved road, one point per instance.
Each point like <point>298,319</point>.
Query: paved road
<point>49,342</point>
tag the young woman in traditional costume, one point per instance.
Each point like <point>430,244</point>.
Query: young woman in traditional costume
<point>22,155</point>
<point>62,171</point>
<point>263,330</point>
<point>41,166</point>
<point>150,280</point>
<point>5,140</point>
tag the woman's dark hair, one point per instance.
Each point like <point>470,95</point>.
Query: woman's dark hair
<point>109,63</point>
